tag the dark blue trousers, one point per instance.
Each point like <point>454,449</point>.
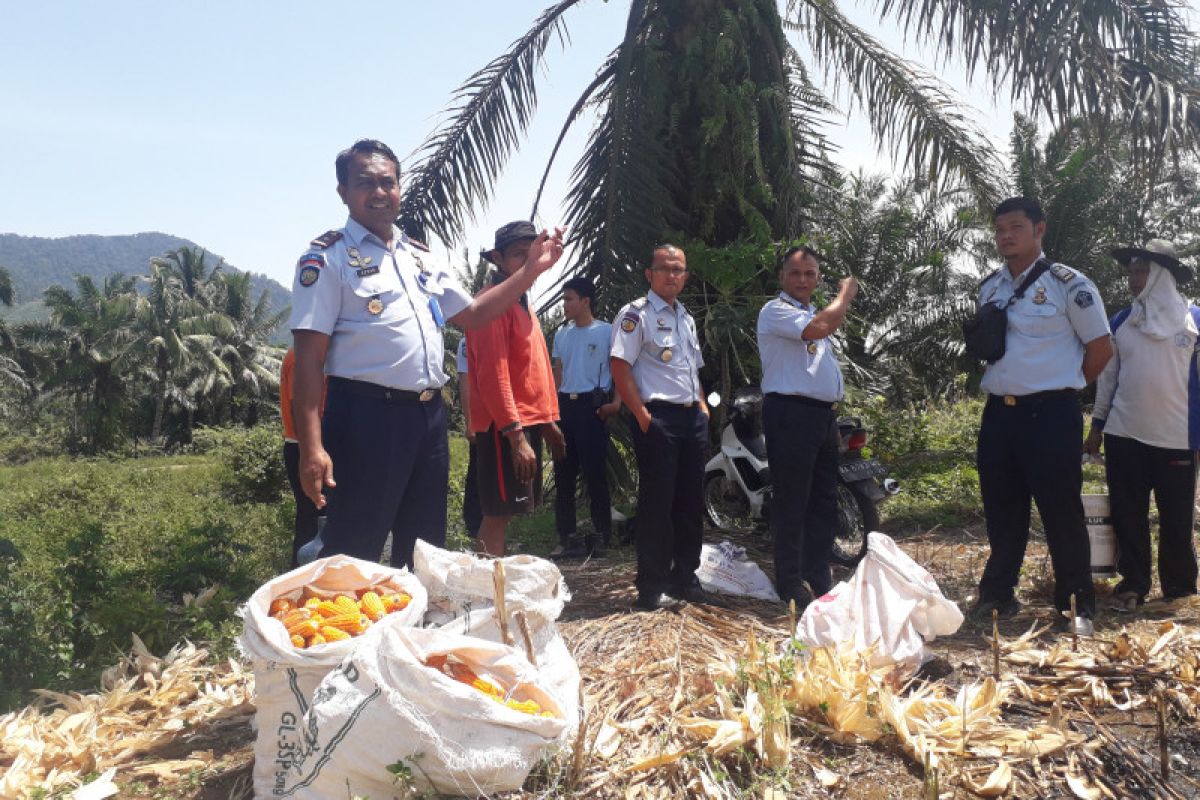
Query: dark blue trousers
<point>802,449</point>
<point>391,461</point>
<point>670,510</point>
<point>587,451</point>
<point>472,512</point>
<point>305,524</point>
<point>1032,450</point>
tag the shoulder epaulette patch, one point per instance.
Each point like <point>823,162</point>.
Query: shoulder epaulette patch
<point>419,245</point>
<point>639,303</point>
<point>326,239</point>
<point>1063,272</point>
<point>987,278</point>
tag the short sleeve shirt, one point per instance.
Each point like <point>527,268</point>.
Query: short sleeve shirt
<point>382,306</point>
<point>792,364</point>
<point>1048,327</point>
<point>584,356</point>
<point>661,345</point>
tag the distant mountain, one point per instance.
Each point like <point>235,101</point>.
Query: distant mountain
<point>36,264</point>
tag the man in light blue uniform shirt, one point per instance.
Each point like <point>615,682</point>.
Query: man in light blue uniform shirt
<point>656,365</point>
<point>368,307</point>
<point>1030,438</point>
<point>802,383</point>
<point>580,361</point>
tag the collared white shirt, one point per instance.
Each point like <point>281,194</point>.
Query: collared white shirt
<point>379,311</point>
<point>792,364</point>
<point>1048,327</point>
<point>661,345</point>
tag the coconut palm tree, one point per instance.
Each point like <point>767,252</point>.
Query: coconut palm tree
<point>710,121</point>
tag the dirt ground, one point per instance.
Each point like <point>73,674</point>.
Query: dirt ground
<point>628,659</point>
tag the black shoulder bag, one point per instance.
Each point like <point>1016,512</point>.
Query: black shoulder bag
<point>985,333</point>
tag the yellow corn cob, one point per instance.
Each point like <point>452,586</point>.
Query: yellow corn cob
<point>296,621</point>
<point>488,688</point>
<point>298,641</point>
<point>328,608</point>
<point>524,706</point>
<point>396,602</point>
<point>332,634</point>
<point>346,604</point>
<point>352,624</point>
<point>312,602</point>
<point>281,605</point>
<point>315,640</point>
<point>372,606</point>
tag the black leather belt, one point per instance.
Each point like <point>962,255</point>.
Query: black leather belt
<point>667,406</point>
<point>378,392</point>
<point>802,400</point>
<point>576,395</point>
<point>1036,397</point>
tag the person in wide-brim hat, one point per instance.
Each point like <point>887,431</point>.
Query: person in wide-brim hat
<point>1159,251</point>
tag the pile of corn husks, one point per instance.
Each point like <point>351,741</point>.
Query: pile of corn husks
<point>146,704</point>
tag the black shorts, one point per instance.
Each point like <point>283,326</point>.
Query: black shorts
<point>500,495</point>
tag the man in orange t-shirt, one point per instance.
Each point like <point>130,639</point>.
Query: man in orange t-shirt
<point>513,402</point>
<point>305,525</point>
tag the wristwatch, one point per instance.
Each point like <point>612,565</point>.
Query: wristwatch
<point>511,428</point>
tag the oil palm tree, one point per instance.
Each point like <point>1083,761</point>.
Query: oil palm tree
<point>710,120</point>
<point>7,295</point>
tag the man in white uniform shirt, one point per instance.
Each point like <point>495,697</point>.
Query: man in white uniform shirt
<point>1148,411</point>
<point>802,384</point>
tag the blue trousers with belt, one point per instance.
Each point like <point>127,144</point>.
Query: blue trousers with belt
<point>1032,450</point>
<point>391,462</point>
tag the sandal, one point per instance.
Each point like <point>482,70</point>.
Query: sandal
<point>1127,601</point>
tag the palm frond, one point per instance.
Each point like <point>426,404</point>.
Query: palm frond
<point>913,113</point>
<point>488,114</point>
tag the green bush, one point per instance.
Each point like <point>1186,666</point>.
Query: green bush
<point>253,458</point>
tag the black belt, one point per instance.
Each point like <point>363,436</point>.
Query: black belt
<point>577,395</point>
<point>665,405</point>
<point>382,392</point>
<point>800,399</point>
<point>1036,397</point>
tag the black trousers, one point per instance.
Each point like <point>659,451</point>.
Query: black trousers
<point>1033,450</point>
<point>802,449</point>
<point>587,450</point>
<point>391,461</point>
<point>472,513</point>
<point>1134,469</point>
<point>670,511</point>
<point>305,524</point>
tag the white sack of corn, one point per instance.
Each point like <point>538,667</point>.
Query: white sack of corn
<point>386,725</point>
<point>556,666</point>
<point>284,676</point>
<point>459,583</point>
<point>891,605</point>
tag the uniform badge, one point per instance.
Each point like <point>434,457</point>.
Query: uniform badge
<point>1039,297</point>
<point>326,240</point>
<point>667,355</point>
<point>1084,299</point>
<point>364,272</point>
<point>629,322</point>
<point>309,275</point>
<point>375,305</point>
<point>662,323</point>
<point>812,348</point>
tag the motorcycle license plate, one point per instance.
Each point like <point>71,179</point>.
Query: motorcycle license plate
<point>862,469</point>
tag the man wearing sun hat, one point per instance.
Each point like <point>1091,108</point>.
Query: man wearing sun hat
<point>1148,411</point>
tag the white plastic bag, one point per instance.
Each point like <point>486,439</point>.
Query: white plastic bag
<point>384,706</point>
<point>458,583</point>
<point>891,604</point>
<point>726,569</point>
<point>284,676</point>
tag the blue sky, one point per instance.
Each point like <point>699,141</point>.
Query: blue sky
<point>219,121</point>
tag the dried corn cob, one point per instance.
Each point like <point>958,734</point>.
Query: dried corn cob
<point>281,605</point>
<point>346,604</point>
<point>333,634</point>
<point>298,641</point>
<point>352,624</point>
<point>372,606</point>
<point>315,640</point>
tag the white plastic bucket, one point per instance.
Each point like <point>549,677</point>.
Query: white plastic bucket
<point>1098,517</point>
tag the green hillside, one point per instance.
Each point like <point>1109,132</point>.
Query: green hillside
<point>36,263</point>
